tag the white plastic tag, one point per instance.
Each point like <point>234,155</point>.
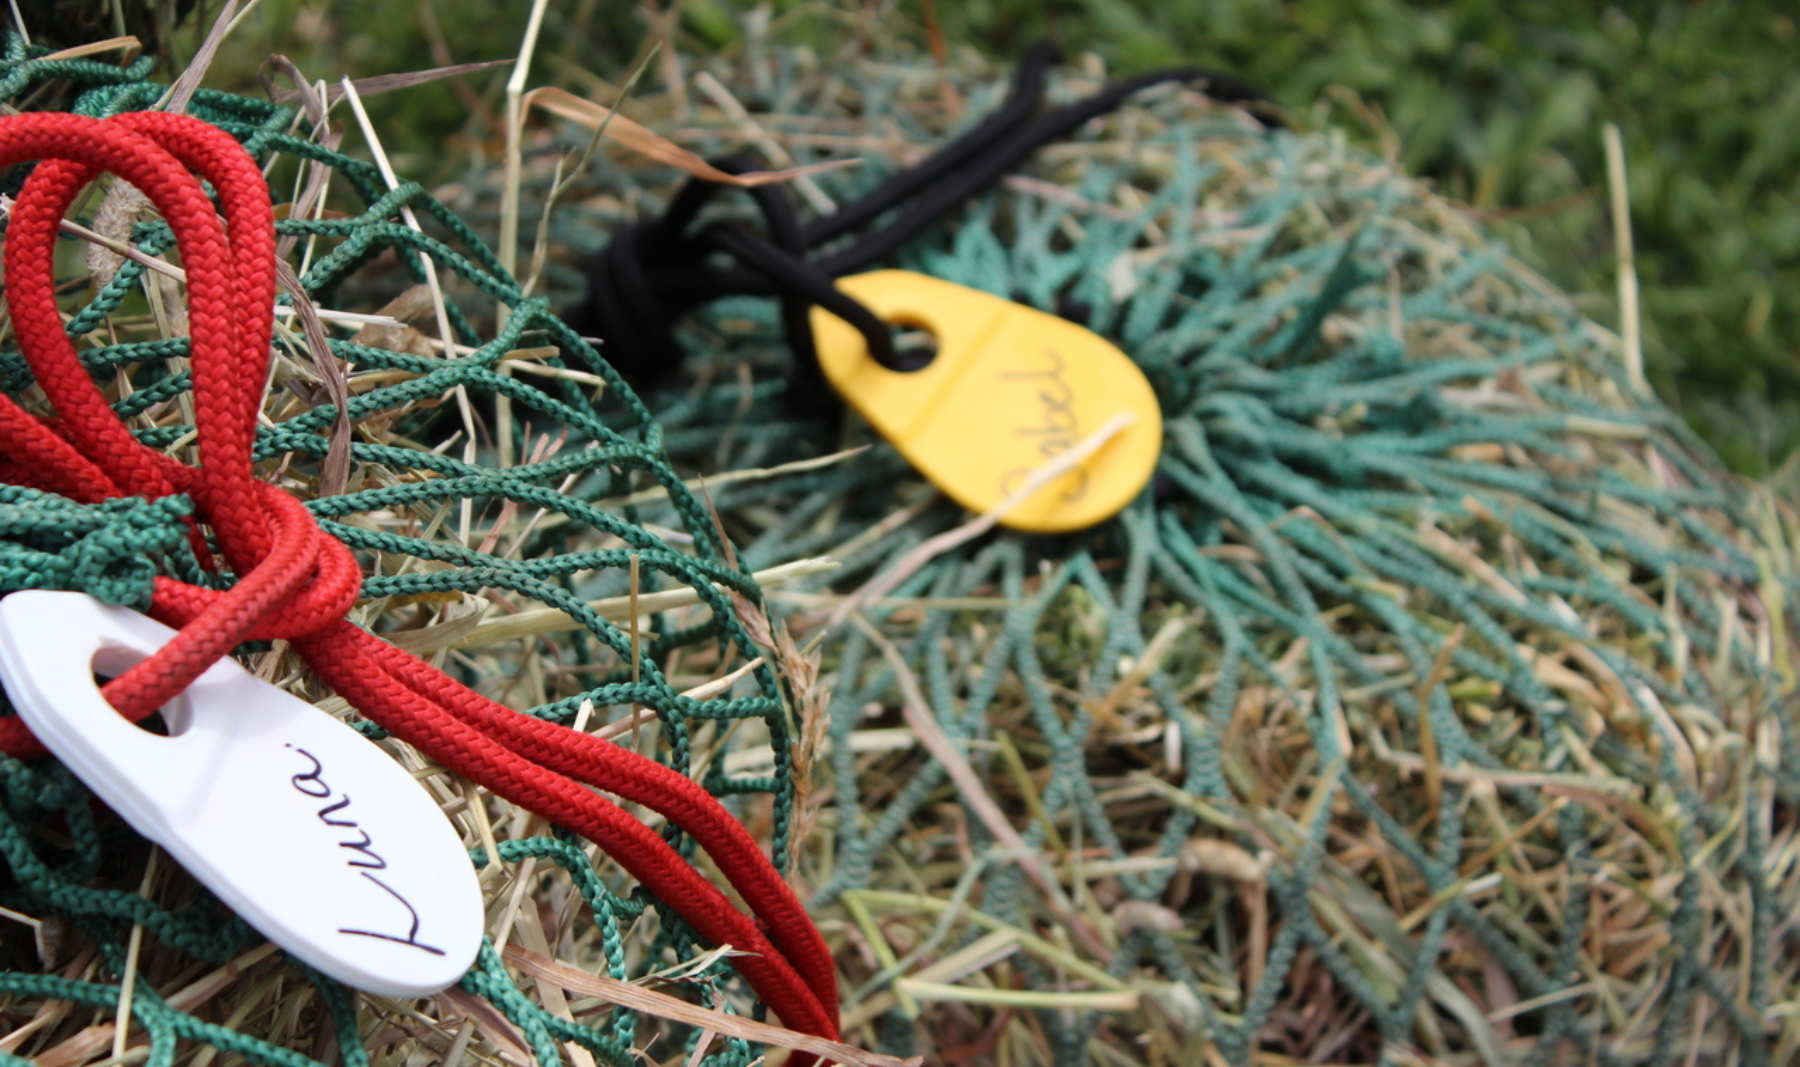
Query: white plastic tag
<point>300,824</point>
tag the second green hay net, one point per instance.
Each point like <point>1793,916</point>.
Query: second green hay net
<point>1435,704</point>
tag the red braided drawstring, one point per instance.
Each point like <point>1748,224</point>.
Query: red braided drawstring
<point>294,581</point>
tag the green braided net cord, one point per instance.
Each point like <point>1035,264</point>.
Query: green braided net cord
<point>421,522</point>
<point>1439,676</point>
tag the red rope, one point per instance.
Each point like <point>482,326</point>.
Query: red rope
<point>297,583</point>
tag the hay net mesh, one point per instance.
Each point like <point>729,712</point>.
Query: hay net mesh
<point>1437,696</point>
<point>1440,688</point>
<point>444,529</point>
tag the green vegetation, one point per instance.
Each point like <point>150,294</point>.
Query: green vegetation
<point>1501,101</point>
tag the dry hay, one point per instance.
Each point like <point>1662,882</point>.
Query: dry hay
<point>1160,794</point>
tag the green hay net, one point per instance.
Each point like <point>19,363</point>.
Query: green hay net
<point>1437,700</point>
<point>434,529</point>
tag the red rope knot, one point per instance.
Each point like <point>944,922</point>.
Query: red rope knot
<point>293,579</point>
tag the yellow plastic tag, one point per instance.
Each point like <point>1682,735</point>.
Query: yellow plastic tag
<point>1010,389</point>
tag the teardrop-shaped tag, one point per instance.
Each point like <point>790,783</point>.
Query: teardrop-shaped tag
<point>1009,389</point>
<point>300,824</point>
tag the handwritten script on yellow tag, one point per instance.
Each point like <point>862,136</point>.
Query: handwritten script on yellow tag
<point>1010,389</point>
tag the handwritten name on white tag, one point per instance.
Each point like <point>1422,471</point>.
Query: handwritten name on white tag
<point>297,822</point>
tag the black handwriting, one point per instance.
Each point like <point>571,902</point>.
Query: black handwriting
<point>369,859</point>
<point>412,933</point>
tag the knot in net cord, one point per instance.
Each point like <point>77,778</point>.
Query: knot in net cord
<point>294,581</point>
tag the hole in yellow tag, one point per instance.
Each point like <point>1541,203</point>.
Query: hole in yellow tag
<point>1008,390</point>
<point>915,345</point>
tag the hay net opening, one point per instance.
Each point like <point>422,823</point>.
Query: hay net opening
<point>497,518</point>
<point>1437,698</point>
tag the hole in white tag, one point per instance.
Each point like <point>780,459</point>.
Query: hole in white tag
<point>171,720</point>
<point>302,826</point>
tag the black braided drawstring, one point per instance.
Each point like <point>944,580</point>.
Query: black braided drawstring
<point>656,271</point>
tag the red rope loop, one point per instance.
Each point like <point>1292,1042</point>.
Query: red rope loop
<point>296,582</point>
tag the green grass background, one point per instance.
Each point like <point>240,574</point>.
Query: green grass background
<point>1500,102</point>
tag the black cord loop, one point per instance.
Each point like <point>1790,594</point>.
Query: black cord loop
<point>656,271</point>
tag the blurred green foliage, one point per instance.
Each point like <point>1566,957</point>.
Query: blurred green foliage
<point>1500,102</point>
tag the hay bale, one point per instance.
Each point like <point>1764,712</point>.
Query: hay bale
<point>1436,704</point>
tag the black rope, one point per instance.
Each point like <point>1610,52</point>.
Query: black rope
<point>656,271</point>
